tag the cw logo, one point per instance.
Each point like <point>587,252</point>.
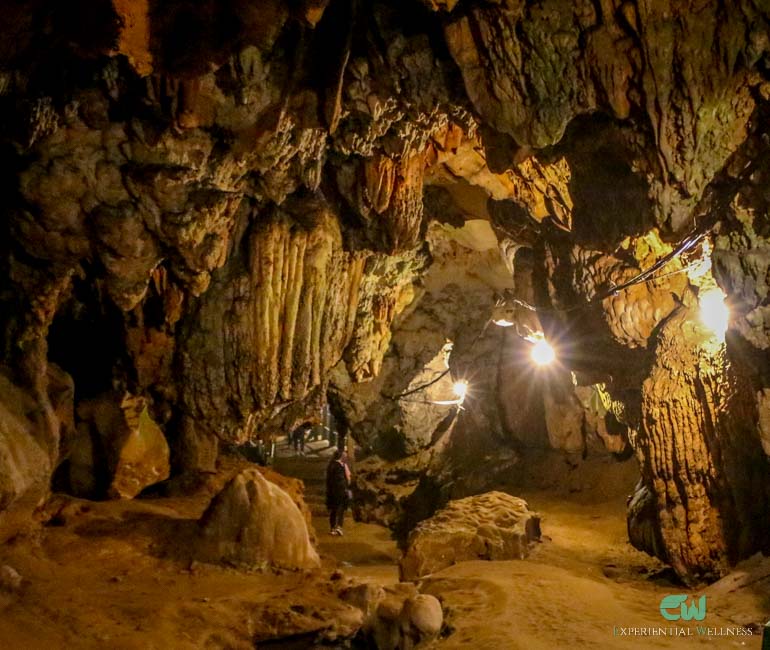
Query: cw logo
<point>678,602</point>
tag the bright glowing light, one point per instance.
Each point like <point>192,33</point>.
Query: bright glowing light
<point>502,322</point>
<point>542,353</point>
<point>460,389</point>
<point>713,311</point>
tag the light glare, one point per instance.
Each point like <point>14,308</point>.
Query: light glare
<point>714,312</point>
<point>542,353</point>
<point>460,388</point>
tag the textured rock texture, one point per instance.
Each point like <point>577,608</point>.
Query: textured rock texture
<point>118,435</point>
<point>491,526</point>
<point>698,422</point>
<point>253,522</point>
<point>25,463</point>
<point>396,617</point>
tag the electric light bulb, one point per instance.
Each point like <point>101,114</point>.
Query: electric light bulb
<point>460,388</point>
<point>542,353</point>
<point>714,312</point>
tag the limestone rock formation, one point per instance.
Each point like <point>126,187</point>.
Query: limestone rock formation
<point>491,526</point>
<point>713,439</point>
<point>24,459</point>
<point>252,522</point>
<point>396,617</point>
<point>382,488</point>
<point>123,433</point>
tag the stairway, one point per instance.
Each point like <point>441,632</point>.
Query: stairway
<point>310,469</point>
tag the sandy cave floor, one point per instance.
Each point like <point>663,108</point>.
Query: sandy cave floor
<point>117,575</point>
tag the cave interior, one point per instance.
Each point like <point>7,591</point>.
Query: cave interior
<point>513,257</point>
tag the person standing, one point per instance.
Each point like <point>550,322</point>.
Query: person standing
<point>298,437</point>
<point>338,493</point>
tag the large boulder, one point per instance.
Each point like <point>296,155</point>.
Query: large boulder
<point>134,447</point>
<point>25,464</point>
<point>253,522</point>
<point>491,526</point>
<point>382,488</point>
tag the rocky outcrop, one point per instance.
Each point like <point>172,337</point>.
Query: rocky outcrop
<point>382,489</point>
<point>25,463</point>
<point>396,617</point>
<point>298,293</point>
<point>693,396</point>
<point>411,402</point>
<point>252,522</point>
<point>116,436</point>
<point>491,526</point>
<point>615,56</point>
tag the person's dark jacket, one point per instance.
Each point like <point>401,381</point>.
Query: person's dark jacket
<point>337,488</point>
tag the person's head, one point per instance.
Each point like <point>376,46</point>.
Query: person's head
<point>307,427</point>
<point>341,455</point>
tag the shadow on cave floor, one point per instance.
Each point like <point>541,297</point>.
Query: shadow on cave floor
<point>366,551</point>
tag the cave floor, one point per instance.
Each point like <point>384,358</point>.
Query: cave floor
<point>117,575</point>
<point>583,586</point>
<point>365,552</point>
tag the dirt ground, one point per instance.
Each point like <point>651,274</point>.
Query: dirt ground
<point>119,575</point>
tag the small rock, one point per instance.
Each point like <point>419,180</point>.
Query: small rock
<point>10,579</point>
<point>611,571</point>
<point>424,613</point>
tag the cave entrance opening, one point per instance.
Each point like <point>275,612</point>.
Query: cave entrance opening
<point>86,340</point>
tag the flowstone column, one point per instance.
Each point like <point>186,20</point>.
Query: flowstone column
<point>700,456</point>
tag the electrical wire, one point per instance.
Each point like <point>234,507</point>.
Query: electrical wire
<point>648,275</point>
<point>420,387</point>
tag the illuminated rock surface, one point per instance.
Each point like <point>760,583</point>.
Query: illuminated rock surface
<point>253,522</point>
<point>491,526</point>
